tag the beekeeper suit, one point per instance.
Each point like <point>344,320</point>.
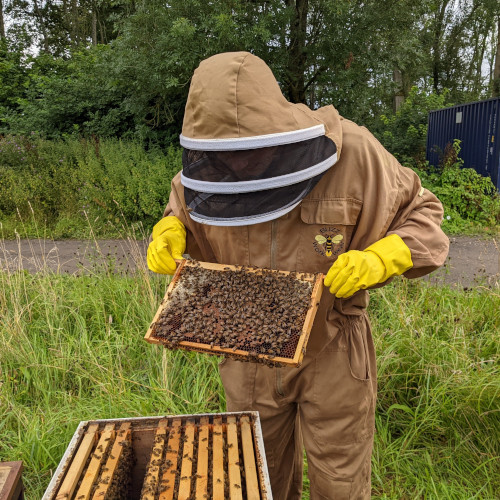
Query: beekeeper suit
<point>272,184</point>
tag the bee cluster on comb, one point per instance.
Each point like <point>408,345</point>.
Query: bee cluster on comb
<point>246,313</point>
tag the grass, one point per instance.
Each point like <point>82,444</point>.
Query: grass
<point>72,348</point>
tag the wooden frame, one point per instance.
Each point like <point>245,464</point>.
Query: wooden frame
<point>73,476</point>
<point>317,289</point>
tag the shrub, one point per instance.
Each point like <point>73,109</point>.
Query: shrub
<point>121,178</point>
<point>108,181</point>
<point>69,96</point>
<point>463,191</point>
<point>36,175</point>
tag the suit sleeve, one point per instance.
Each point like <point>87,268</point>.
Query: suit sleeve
<point>418,223</point>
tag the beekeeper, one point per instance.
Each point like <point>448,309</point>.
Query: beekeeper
<point>268,183</point>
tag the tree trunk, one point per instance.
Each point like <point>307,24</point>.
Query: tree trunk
<point>102,35</point>
<point>436,45</point>
<point>399,97</point>
<point>297,59</point>
<point>74,22</point>
<point>41,23</point>
<point>478,81</point>
<point>496,71</point>
<point>2,24</point>
<point>94,25</point>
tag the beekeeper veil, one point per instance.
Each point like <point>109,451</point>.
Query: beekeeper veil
<point>249,155</point>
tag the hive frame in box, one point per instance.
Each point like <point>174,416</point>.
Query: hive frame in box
<point>317,288</point>
<point>66,462</point>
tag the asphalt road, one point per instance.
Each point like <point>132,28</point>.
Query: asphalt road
<point>471,261</point>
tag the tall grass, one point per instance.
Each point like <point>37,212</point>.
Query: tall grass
<point>438,417</point>
<point>72,348</point>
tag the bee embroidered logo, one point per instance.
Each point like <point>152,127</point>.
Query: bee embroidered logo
<point>329,242</point>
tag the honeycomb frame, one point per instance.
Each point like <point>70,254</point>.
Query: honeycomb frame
<point>316,281</point>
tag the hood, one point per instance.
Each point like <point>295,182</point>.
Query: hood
<point>249,155</point>
<point>235,103</point>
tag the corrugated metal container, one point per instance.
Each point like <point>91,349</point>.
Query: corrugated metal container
<point>477,125</point>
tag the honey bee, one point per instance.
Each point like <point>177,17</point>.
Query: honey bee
<point>329,241</point>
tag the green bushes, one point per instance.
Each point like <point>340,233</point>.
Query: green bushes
<point>66,186</point>
<point>60,184</point>
<point>404,133</point>
<point>121,178</point>
<point>467,196</point>
<point>471,201</point>
<point>36,176</point>
<point>61,96</point>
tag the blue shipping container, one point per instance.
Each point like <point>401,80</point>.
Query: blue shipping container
<point>477,125</point>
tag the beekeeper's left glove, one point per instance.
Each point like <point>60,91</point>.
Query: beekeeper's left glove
<point>356,270</point>
<point>169,243</point>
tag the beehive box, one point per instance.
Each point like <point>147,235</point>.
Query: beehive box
<point>11,483</point>
<point>203,456</point>
<point>245,313</point>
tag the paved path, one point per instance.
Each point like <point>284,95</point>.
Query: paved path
<point>471,261</point>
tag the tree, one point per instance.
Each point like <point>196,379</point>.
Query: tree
<point>359,55</point>
<point>456,34</point>
<point>496,72</point>
<point>57,26</point>
<point>2,23</point>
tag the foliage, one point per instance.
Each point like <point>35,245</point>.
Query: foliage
<point>66,184</point>
<point>106,182</point>
<point>36,175</point>
<point>70,97</point>
<point>122,178</point>
<point>404,133</point>
<point>72,349</point>
<point>13,80</point>
<point>457,37</point>
<point>463,191</point>
<point>53,27</point>
<point>154,72</point>
<point>123,68</point>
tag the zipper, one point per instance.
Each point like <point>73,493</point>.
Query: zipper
<point>274,242</point>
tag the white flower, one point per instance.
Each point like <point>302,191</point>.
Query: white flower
<point>448,217</point>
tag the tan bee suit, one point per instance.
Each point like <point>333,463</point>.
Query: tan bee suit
<point>329,402</point>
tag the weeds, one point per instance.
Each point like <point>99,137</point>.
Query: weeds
<point>59,184</point>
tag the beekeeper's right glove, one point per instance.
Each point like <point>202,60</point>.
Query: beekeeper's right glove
<point>355,270</point>
<point>169,243</point>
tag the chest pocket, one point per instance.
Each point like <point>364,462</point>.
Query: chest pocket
<point>326,232</point>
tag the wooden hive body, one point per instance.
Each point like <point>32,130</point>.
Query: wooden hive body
<point>11,483</point>
<point>166,458</point>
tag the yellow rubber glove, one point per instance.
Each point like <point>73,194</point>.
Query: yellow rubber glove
<point>169,243</point>
<point>356,270</point>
